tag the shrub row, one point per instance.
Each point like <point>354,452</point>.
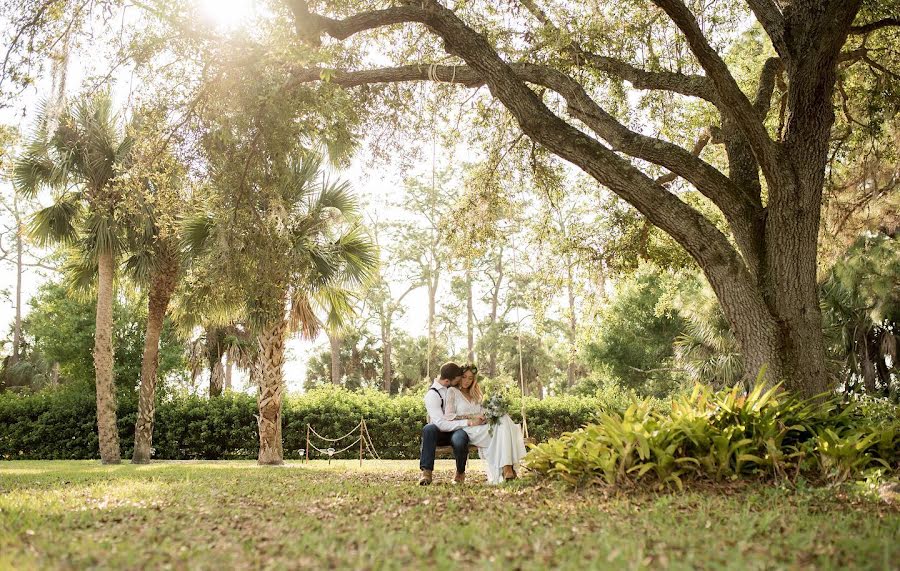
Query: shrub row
<point>725,435</point>
<point>62,424</point>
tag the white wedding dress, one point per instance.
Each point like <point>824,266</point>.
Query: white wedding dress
<point>502,446</point>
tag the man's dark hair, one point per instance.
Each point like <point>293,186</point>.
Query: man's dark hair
<point>450,371</point>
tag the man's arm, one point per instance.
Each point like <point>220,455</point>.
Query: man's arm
<point>436,415</point>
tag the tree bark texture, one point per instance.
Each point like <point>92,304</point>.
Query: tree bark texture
<point>107,430</point>
<point>162,285</point>
<point>337,372</point>
<point>215,348</point>
<point>271,389</point>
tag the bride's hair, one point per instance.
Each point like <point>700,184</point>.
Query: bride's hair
<point>474,392</point>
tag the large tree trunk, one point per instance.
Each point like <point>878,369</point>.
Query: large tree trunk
<point>216,378</point>
<point>162,285</point>
<point>271,388</point>
<point>107,430</point>
<point>337,372</point>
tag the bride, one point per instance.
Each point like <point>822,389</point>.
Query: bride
<point>501,446</point>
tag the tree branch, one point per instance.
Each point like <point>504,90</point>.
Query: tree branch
<point>772,20</point>
<point>721,262</point>
<point>701,143</point>
<point>735,102</point>
<point>767,78</point>
<point>876,25</point>
<point>690,85</point>
<point>710,181</point>
<point>310,26</point>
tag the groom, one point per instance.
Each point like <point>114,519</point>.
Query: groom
<point>440,432</point>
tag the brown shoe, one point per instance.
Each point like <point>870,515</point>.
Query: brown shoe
<point>425,479</point>
<point>509,473</point>
<point>460,478</point>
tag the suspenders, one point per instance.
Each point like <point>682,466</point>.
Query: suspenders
<point>439,396</point>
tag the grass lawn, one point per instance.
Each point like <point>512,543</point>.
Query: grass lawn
<point>227,515</point>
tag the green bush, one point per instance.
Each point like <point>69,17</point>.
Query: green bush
<point>61,424</point>
<point>722,435</point>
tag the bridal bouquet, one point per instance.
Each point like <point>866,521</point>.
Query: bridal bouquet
<point>494,408</point>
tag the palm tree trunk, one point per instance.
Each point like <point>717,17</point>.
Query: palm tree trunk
<point>103,364</point>
<point>161,287</point>
<point>216,379</point>
<point>336,371</point>
<point>386,369</point>
<point>229,369</point>
<point>271,387</point>
<point>573,326</point>
<point>17,328</point>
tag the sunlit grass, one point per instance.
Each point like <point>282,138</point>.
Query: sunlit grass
<point>227,515</point>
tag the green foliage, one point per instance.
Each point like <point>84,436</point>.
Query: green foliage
<point>722,435</point>
<point>360,359</point>
<point>635,342</point>
<point>61,424</point>
<point>294,240</point>
<point>861,309</point>
<point>59,328</point>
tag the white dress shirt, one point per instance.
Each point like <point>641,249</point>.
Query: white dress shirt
<point>436,414</point>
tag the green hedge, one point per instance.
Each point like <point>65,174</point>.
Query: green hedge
<point>62,424</point>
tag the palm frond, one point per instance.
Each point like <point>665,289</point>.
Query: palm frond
<point>302,316</point>
<point>301,180</point>
<point>56,223</point>
<point>358,255</point>
<point>79,273</point>
<point>195,233</point>
<point>338,195</point>
<point>102,235</point>
<point>337,304</point>
<point>139,266</point>
<point>33,170</point>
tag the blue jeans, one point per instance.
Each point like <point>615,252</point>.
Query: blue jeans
<point>432,438</point>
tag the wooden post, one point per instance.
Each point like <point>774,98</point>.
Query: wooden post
<point>307,443</point>
<point>361,421</point>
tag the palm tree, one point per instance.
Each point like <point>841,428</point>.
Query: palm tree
<point>860,302</point>
<point>81,157</point>
<point>289,258</point>
<point>160,272</point>
<point>706,349</point>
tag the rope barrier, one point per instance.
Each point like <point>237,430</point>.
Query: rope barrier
<point>355,428</point>
<point>320,451</point>
<point>368,441</point>
<point>364,440</point>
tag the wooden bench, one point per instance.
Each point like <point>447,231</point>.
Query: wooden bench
<point>445,451</point>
